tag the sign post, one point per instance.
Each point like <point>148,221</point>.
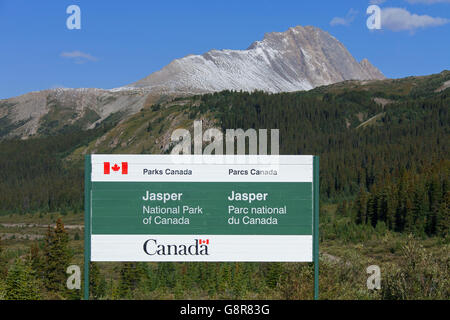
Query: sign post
<point>87,223</point>
<point>201,208</point>
<point>316,227</point>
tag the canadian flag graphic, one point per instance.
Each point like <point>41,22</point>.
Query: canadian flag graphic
<point>115,168</point>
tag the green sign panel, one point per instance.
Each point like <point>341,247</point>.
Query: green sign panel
<point>201,208</point>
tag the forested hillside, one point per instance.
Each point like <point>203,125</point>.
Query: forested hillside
<point>34,177</point>
<point>363,143</point>
<point>384,175</point>
<point>413,201</point>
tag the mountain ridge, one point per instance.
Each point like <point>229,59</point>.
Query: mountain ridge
<point>300,58</point>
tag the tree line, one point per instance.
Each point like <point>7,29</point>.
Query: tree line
<point>34,175</point>
<point>408,139</point>
<point>413,202</point>
<point>410,134</point>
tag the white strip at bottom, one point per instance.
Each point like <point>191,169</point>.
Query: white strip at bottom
<point>213,248</point>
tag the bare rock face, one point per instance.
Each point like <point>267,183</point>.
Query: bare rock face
<point>372,72</point>
<point>48,111</point>
<point>299,59</point>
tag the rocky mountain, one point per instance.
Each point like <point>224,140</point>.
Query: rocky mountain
<point>371,70</point>
<point>301,58</point>
<point>150,130</point>
<point>49,111</point>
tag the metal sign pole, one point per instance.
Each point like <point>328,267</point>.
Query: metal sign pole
<point>87,223</point>
<point>316,227</point>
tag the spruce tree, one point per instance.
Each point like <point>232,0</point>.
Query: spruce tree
<point>3,263</point>
<point>36,260</point>
<point>443,217</point>
<point>130,276</point>
<point>56,258</point>
<point>97,283</point>
<point>361,207</point>
<point>21,283</point>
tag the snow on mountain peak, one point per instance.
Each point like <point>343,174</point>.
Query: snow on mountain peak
<point>300,58</point>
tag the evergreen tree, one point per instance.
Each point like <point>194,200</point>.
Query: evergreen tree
<point>97,283</point>
<point>413,203</point>
<point>130,276</point>
<point>443,216</point>
<point>56,258</point>
<point>21,283</point>
<point>3,263</point>
<point>361,207</point>
<point>273,274</point>
<point>36,260</point>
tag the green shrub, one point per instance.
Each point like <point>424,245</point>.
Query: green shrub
<point>420,275</point>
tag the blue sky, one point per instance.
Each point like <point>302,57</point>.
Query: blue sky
<point>123,41</point>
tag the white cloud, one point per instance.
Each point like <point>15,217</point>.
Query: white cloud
<point>78,56</point>
<point>346,21</point>
<point>398,19</point>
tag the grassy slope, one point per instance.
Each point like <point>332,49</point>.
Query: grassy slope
<point>148,131</point>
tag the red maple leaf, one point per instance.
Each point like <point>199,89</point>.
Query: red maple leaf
<point>116,167</point>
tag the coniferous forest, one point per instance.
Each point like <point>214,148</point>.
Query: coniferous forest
<point>384,183</point>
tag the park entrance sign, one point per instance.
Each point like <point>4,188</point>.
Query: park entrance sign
<point>201,208</point>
